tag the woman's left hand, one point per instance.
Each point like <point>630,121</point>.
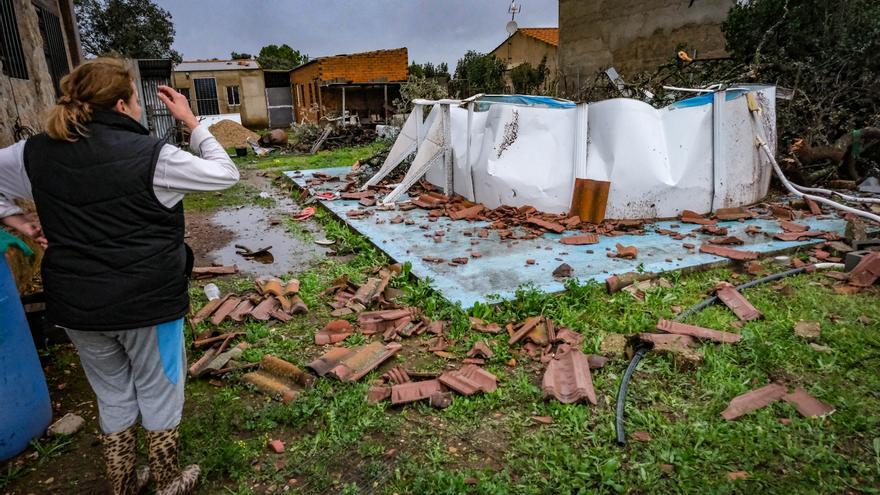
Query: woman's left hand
<point>29,225</point>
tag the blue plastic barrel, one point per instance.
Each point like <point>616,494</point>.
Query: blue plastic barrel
<point>25,410</point>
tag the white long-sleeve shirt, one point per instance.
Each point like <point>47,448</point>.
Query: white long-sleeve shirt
<point>177,172</point>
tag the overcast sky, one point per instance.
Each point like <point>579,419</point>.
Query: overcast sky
<point>432,30</point>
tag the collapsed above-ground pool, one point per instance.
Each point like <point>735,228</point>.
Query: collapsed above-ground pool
<point>697,154</point>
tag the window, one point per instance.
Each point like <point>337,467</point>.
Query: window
<point>53,46</point>
<point>11,54</point>
<point>299,95</point>
<point>206,96</point>
<point>232,96</point>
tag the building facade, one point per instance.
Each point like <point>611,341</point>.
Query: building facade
<point>634,35</point>
<point>221,87</point>
<point>530,45</point>
<point>39,44</point>
<point>362,86</point>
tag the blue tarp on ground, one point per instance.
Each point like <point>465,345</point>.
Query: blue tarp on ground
<point>502,267</point>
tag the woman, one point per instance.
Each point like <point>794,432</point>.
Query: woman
<point>108,198</point>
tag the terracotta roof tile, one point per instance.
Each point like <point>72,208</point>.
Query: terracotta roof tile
<point>547,35</point>
<point>568,377</point>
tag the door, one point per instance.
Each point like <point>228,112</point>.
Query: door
<point>280,102</point>
<point>206,96</point>
<point>159,119</point>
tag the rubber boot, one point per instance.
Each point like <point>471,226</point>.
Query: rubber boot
<point>120,456</point>
<point>162,447</point>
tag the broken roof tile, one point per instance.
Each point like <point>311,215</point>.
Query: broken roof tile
<point>580,240</point>
<point>675,327</point>
<point>725,252</point>
<point>469,380</point>
<point>523,330</point>
<point>563,271</point>
<point>242,310</point>
<point>413,391</point>
<point>737,303</point>
<point>481,326</point>
<point>225,308</point>
<point>688,216</point>
<point>568,336</point>
<point>544,224</point>
<point>333,332</point>
<point>208,309</point>
<point>729,240</point>
<point>752,400</point>
<point>480,349</point>
<point>470,213</point>
<point>733,213</point>
<point>378,393</point>
<point>790,226</point>
<point>440,400</point>
<point>263,311</point>
<point>626,252</point>
<point>362,360</point>
<point>867,271</point>
<point>796,236</point>
<point>396,375</point>
<point>807,405</point>
<point>568,378</point>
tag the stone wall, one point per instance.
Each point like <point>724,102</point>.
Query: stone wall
<point>28,98</point>
<point>634,35</point>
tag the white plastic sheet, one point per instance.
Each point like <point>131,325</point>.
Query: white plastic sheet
<point>697,154</point>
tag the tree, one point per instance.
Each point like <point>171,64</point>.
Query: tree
<point>280,57</point>
<point>827,53</point>
<point>527,79</point>
<point>240,56</point>
<point>130,28</point>
<point>429,70</point>
<point>478,73</point>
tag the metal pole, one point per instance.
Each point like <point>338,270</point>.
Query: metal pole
<point>385,87</point>
<point>343,107</point>
<point>447,149</point>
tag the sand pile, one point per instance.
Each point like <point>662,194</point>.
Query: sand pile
<point>231,134</point>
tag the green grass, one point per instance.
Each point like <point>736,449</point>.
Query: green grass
<point>339,442</point>
<point>488,444</point>
<point>240,194</point>
<point>340,157</point>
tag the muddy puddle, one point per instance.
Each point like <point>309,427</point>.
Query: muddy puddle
<point>220,236</point>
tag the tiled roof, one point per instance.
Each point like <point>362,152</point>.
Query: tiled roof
<point>547,35</point>
<point>211,65</point>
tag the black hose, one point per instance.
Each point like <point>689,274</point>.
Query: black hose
<point>621,393</point>
<point>643,349</point>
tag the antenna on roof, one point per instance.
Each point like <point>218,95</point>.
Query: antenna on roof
<point>513,10</point>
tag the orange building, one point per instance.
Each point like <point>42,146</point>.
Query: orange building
<point>359,85</point>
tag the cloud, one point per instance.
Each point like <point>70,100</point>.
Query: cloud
<point>433,31</point>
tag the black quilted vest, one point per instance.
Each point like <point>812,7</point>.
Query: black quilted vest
<point>116,258</point>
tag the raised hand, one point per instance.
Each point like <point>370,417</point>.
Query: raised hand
<point>178,106</point>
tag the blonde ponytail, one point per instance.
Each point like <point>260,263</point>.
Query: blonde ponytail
<point>96,84</point>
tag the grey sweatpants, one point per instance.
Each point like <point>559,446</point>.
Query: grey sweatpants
<point>135,372</point>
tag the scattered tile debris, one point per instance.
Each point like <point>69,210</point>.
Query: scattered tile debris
<point>567,377</point>
<point>580,240</point>
<point>480,350</point>
<point>867,271</point>
<point>413,391</point>
<point>351,364</point>
<point>807,405</point>
<point>563,271</point>
<point>625,252</point>
<point>737,303</point>
<point>279,379</point>
<point>675,327</point>
<point>333,332</point>
<point>726,252</point>
<point>753,400</point>
<point>202,272</point>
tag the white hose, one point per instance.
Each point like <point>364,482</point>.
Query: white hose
<point>829,192</point>
<point>793,189</point>
<point>829,266</point>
